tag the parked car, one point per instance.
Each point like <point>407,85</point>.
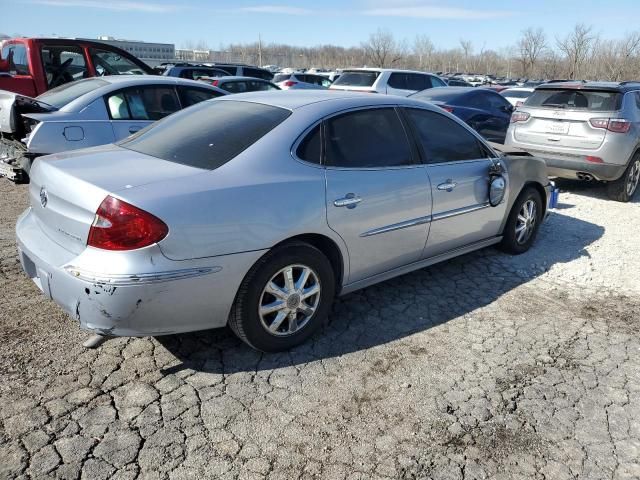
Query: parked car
<point>584,130</point>
<point>85,113</point>
<point>257,209</point>
<point>484,110</point>
<point>31,66</point>
<point>193,72</point>
<point>240,84</point>
<point>457,82</point>
<point>386,80</point>
<point>304,81</point>
<point>242,70</point>
<point>517,95</point>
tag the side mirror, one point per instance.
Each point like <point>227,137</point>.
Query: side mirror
<point>497,189</point>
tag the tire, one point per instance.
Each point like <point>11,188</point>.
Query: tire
<point>624,188</point>
<point>248,319</point>
<point>513,241</point>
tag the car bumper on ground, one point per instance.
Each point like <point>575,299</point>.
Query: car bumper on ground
<point>166,297</point>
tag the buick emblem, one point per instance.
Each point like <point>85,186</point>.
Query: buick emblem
<point>43,197</point>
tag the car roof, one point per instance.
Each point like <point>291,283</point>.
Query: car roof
<point>381,70</point>
<point>230,78</point>
<point>294,99</point>
<point>583,85</point>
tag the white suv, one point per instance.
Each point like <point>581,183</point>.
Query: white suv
<point>386,80</point>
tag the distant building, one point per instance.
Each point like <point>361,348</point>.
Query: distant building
<point>190,55</point>
<point>149,52</point>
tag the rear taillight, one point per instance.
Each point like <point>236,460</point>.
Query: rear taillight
<point>121,226</point>
<point>289,83</point>
<point>215,83</point>
<point>592,159</point>
<point>615,125</point>
<point>447,108</point>
<point>519,117</point>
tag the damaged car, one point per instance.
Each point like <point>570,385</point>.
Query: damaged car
<point>255,210</point>
<point>86,113</point>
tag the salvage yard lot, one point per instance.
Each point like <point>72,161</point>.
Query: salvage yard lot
<point>486,366</point>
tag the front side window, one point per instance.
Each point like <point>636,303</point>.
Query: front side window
<point>209,134</point>
<point>17,54</point>
<point>112,63</point>
<point>372,138</point>
<point>63,64</point>
<point>442,139</point>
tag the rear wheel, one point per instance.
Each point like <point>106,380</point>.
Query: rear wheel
<point>284,299</point>
<point>523,222</point>
<point>626,186</point>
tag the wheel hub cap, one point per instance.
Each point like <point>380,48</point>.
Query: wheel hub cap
<point>293,301</point>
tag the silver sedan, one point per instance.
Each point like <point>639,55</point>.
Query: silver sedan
<point>257,209</point>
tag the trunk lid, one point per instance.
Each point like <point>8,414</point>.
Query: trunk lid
<point>13,105</point>
<point>66,189</point>
<point>563,128</point>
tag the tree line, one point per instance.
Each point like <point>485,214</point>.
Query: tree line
<point>580,54</point>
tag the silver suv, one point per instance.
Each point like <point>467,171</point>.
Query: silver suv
<point>584,130</point>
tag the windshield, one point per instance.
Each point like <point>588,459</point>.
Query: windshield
<point>67,93</point>
<point>597,101</point>
<point>209,134</point>
<point>357,78</point>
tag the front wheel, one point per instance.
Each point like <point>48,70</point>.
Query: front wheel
<point>284,299</point>
<point>523,222</point>
<point>626,186</point>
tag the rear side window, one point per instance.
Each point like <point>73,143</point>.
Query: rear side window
<point>371,138</point>
<point>19,64</point>
<point>573,99</point>
<point>191,95</point>
<point>357,78</point>
<point>309,149</point>
<point>442,139</point>
<point>145,103</point>
<point>409,81</point>
<point>209,134</point>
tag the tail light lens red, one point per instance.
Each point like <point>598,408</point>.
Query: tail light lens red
<point>615,125</point>
<point>447,108</point>
<point>592,159</point>
<point>215,83</point>
<point>121,226</point>
<point>289,83</point>
<point>519,117</point>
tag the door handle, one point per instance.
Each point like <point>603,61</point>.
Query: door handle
<point>350,200</point>
<point>134,129</point>
<point>448,186</point>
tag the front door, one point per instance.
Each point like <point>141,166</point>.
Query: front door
<point>458,165</point>
<point>378,197</point>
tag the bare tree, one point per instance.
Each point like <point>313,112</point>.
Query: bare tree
<point>576,47</point>
<point>423,49</point>
<point>467,51</point>
<point>531,46</point>
<point>381,49</point>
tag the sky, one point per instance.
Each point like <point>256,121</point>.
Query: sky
<point>488,24</point>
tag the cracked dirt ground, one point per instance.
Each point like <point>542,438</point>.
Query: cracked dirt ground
<point>487,366</point>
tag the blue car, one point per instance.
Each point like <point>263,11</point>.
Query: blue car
<point>484,110</point>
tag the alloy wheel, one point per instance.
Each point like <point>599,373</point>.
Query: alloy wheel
<point>526,222</point>
<point>634,178</point>
<point>289,300</point>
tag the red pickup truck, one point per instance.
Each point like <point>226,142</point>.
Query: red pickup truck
<point>31,66</point>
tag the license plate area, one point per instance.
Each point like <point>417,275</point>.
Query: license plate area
<point>37,275</point>
<point>557,128</point>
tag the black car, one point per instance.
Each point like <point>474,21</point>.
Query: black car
<point>484,110</point>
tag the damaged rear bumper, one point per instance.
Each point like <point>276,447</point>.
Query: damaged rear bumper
<point>136,293</point>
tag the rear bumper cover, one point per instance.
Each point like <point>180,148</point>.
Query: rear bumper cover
<point>167,297</point>
<point>569,169</point>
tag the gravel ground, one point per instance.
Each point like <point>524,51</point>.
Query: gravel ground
<point>486,366</point>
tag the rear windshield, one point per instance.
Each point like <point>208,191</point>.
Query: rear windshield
<point>208,134</point>
<point>67,93</point>
<point>596,101</point>
<point>515,93</point>
<point>357,79</point>
<point>281,77</point>
<point>442,94</point>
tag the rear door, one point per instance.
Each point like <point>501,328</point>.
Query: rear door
<point>458,166</point>
<point>18,78</point>
<point>560,118</point>
<point>132,109</point>
<point>378,197</point>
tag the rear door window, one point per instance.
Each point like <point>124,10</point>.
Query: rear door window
<point>357,78</point>
<point>17,54</point>
<point>442,139</point>
<point>143,103</point>
<point>235,87</point>
<point>399,80</point>
<point>209,134</point>
<point>63,64</point>
<point>574,99</point>
<point>371,138</point>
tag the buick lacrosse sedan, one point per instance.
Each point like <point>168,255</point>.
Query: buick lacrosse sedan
<point>257,209</point>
